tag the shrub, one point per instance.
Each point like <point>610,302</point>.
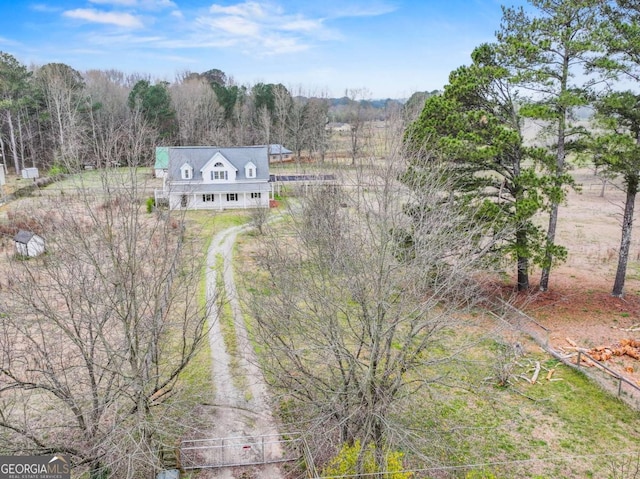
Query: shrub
<point>346,463</point>
<point>150,204</point>
<point>57,169</point>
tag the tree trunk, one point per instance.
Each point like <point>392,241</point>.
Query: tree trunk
<point>14,146</point>
<point>625,241</point>
<point>548,257</point>
<point>523,261</point>
<point>560,153</point>
<point>523,273</point>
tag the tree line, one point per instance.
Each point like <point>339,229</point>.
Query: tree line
<point>55,115</point>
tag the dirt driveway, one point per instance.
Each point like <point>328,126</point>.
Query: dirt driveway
<point>242,413</point>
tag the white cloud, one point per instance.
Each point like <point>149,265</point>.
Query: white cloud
<point>278,46</point>
<point>124,40</point>
<point>236,26</point>
<point>41,7</point>
<point>110,18</point>
<point>246,9</point>
<point>370,10</point>
<point>144,4</point>
<point>119,3</point>
<point>301,25</point>
<point>262,28</point>
<point>8,41</point>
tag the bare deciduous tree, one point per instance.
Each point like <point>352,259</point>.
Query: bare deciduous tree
<point>354,318</point>
<point>97,331</point>
<point>199,114</point>
<point>62,88</point>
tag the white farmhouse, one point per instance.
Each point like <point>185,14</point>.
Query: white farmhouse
<point>206,177</point>
<point>28,243</point>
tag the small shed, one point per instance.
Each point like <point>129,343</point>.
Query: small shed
<point>28,173</point>
<point>29,243</point>
<point>278,153</point>
<point>162,162</point>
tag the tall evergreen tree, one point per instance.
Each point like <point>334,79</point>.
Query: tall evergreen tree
<point>617,149</point>
<point>155,103</point>
<point>547,49</point>
<point>474,130</point>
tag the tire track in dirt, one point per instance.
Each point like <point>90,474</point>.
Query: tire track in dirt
<point>237,413</point>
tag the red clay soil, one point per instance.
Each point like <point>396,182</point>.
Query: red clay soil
<point>578,304</point>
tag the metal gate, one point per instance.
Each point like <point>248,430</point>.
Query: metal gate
<point>240,451</point>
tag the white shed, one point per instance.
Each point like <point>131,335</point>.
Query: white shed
<point>30,173</point>
<point>28,243</point>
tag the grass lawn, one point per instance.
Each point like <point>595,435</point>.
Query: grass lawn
<point>466,426</point>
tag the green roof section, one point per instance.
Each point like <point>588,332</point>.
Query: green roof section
<point>162,158</point>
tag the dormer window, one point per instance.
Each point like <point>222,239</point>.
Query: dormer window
<point>250,170</point>
<point>186,172</point>
<point>219,172</point>
<point>219,175</point>
<point>218,169</point>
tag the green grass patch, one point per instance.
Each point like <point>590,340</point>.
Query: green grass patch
<point>559,428</point>
<point>566,426</point>
<point>228,329</point>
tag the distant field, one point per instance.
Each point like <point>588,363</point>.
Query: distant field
<point>562,426</point>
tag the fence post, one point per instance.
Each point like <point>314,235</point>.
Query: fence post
<point>264,460</point>
<point>619,386</point>
<point>579,358</point>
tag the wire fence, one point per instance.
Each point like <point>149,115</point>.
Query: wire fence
<point>606,377</point>
<point>240,451</point>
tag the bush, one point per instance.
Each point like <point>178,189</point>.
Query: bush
<point>57,169</point>
<point>151,203</point>
<point>479,475</point>
<point>346,463</point>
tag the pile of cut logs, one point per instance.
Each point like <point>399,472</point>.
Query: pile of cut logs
<point>625,347</point>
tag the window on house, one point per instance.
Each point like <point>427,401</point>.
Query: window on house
<point>232,196</point>
<point>219,175</point>
<point>186,174</point>
<point>255,195</point>
<point>207,198</point>
<point>251,173</point>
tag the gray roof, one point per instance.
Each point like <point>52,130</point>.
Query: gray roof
<point>198,156</point>
<point>276,149</point>
<point>23,236</point>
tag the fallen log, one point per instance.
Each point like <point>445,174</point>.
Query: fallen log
<point>534,378</point>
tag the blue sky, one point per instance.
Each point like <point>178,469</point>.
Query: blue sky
<point>389,48</point>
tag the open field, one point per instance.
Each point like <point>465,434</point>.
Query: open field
<point>579,305</point>
<point>564,425</point>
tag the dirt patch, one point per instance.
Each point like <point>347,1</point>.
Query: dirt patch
<point>579,305</point>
